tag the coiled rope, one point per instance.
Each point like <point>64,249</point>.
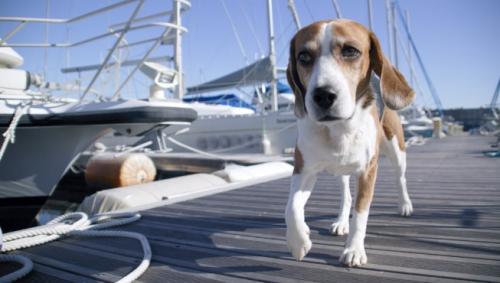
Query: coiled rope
<point>415,140</point>
<point>77,224</point>
<point>10,134</point>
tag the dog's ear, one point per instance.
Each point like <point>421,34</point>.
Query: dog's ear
<point>294,81</point>
<point>396,92</point>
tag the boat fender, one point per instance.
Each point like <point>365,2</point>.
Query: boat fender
<point>112,171</point>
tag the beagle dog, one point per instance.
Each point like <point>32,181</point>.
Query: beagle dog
<point>339,128</point>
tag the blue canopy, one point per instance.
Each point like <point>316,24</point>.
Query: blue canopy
<point>282,88</point>
<point>229,99</point>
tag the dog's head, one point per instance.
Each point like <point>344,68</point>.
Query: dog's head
<point>329,70</point>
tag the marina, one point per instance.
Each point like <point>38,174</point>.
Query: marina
<point>239,236</point>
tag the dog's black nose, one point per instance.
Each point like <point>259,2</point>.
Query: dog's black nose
<point>324,97</point>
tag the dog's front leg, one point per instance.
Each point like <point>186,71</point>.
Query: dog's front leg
<point>297,232</point>
<point>341,225</point>
<point>354,253</point>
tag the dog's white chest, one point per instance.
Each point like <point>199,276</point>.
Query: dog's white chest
<point>347,153</point>
<point>341,150</point>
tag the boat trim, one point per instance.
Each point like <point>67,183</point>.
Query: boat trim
<point>119,116</point>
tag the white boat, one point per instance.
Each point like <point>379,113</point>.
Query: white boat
<point>43,134</point>
<point>416,122</point>
<point>270,129</point>
<point>272,133</point>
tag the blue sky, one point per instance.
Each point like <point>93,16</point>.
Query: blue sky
<point>457,39</point>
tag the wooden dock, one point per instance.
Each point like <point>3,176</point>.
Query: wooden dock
<point>239,236</point>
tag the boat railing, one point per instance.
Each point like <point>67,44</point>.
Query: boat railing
<point>119,30</point>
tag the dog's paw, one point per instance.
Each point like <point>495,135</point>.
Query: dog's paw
<point>340,227</point>
<point>405,208</point>
<point>355,256</point>
<point>298,242</point>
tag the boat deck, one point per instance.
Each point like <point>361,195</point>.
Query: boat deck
<point>239,236</point>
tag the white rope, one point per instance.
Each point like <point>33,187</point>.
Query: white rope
<point>195,150</point>
<point>235,31</point>
<point>415,140</point>
<point>77,224</point>
<point>27,266</point>
<point>252,29</point>
<point>10,134</point>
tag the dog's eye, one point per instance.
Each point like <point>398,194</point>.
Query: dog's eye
<point>304,58</point>
<point>350,52</point>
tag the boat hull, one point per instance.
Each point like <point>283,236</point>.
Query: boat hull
<point>49,139</point>
<point>19,213</point>
<point>272,133</point>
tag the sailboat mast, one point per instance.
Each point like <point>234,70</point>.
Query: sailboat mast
<point>432,89</point>
<point>295,15</point>
<point>394,35</point>
<point>272,57</point>
<point>493,104</point>
<point>179,90</point>
<point>407,20</point>
<point>389,25</point>
<point>370,15</point>
<point>337,9</point>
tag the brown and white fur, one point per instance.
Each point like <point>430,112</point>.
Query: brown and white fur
<point>339,129</point>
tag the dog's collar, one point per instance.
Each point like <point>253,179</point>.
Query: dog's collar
<point>379,102</point>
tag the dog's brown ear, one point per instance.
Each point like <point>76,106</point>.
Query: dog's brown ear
<point>294,81</point>
<point>396,92</point>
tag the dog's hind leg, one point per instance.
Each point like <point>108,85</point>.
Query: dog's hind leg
<point>398,159</point>
<point>341,224</point>
<point>297,232</point>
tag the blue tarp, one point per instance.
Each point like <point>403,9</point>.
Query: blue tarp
<point>282,88</point>
<point>231,99</point>
<point>220,99</point>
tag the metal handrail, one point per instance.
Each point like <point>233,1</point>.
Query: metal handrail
<point>110,52</point>
<point>144,58</point>
<point>93,67</point>
<point>91,39</point>
<point>165,39</point>
<point>65,21</point>
<point>77,18</point>
<point>120,32</point>
<point>12,32</point>
<point>23,21</point>
<point>142,19</point>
